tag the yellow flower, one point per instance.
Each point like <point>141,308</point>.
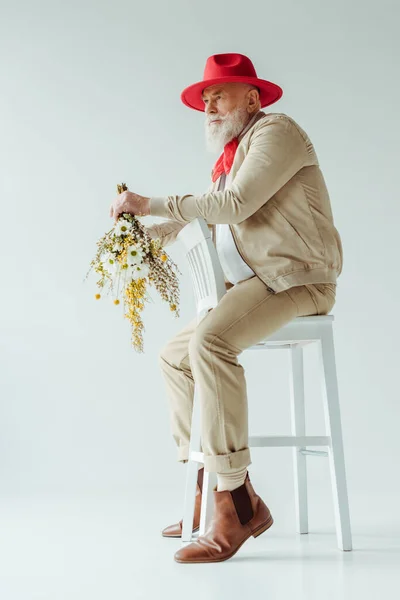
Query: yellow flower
<point>164,257</point>
<point>97,296</point>
<point>173,307</point>
<point>116,301</point>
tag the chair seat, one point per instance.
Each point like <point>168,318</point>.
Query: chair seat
<point>312,319</point>
<point>299,331</point>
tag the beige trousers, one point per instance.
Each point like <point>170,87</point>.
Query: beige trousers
<point>207,353</point>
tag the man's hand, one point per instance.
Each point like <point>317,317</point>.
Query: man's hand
<point>131,203</point>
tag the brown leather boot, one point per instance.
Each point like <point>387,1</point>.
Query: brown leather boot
<point>175,531</point>
<point>238,514</point>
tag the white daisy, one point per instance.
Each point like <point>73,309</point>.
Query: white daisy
<point>117,247</point>
<point>137,271</point>
<point>134,255</point>
<point>109,262</point>
<point>122,227</point>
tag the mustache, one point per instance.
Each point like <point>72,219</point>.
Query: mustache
<point>210,120</point>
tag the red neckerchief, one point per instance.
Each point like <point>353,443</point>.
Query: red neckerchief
<point>224,163</point>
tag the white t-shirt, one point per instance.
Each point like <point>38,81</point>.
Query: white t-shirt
<point>233,266</point>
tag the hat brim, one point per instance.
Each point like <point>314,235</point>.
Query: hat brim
<point>269,92</point>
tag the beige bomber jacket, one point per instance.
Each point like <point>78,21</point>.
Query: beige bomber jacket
<point>277,206</point>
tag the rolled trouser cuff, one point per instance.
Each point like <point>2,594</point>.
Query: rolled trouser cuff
<point>223,463</point>
<point>220,463</point>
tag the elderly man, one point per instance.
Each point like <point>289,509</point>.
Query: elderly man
<point>270,215</point>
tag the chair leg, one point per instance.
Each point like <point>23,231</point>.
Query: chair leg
<point>298,423</point>
<point>207,501</point>
<point>191,473</point>
<point>326,351</point>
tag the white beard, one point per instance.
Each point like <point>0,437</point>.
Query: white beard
<point>229,127</point>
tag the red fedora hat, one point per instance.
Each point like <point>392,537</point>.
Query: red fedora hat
<point>226,68</point>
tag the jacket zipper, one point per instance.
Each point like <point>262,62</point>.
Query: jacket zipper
<point>237,247</point>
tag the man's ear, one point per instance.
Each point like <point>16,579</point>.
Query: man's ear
<point>254,98</point>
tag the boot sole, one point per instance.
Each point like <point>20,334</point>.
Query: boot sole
<point>179,536</point>
<point>263,527</point>
<point>255,534</point>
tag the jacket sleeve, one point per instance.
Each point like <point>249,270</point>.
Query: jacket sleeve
<point>165,231</point>
<point>277,151</point>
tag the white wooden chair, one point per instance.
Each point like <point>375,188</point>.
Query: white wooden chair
<point>209,287</point>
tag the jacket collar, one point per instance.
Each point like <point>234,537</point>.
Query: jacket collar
<point>258,115</point>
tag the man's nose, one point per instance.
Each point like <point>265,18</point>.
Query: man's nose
<point>210,109</point>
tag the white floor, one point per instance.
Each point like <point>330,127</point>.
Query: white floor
<point>111,548</point>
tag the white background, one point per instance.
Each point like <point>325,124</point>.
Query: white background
<point>90,97</point>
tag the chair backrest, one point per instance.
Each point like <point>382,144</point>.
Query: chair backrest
<point>209,282</point>
<point>205,269</point>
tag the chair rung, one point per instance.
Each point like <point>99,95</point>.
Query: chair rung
<point>262,441</point>
<point>313,452</point>
<point>279,441</point>
<point>196,456</point>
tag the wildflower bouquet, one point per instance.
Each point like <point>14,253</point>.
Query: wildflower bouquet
<point>128,260</point>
